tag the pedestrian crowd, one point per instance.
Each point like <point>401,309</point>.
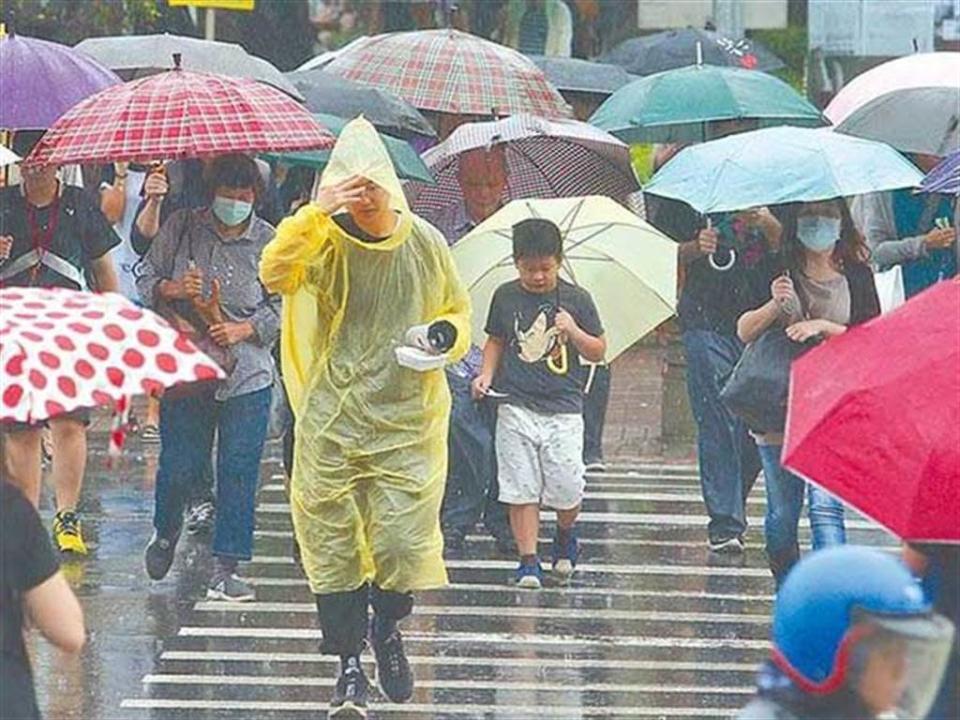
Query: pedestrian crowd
<point>341,323</point>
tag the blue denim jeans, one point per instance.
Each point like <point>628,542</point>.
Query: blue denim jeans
<point>727,455</point>
<point>472,489</point>
<point>785,493</point>
<point>187,428</point>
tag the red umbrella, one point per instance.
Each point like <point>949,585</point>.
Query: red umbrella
<point>62,350</point>
<point>874,417</point>
<point>451,71</point>
<point>180,114</point>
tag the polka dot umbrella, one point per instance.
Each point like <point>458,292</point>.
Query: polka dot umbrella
<point>61,350</point>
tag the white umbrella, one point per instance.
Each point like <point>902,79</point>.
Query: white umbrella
<point>628,267</point>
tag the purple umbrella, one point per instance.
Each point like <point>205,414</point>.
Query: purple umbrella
<point>41,80</point>
<point>945,177</point>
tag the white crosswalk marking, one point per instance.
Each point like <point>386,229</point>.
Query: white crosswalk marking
<point>651,626</point>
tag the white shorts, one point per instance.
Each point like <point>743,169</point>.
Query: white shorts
<point>540,458</point>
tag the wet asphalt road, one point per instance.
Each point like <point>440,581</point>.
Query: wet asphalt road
<point>651,626</point>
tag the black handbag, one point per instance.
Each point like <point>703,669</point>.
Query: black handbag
<point>757,388</point>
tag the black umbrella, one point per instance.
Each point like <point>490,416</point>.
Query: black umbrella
<point>662,51</point>
<point>136,56</point>
<point>346,99</point>
<point>583,76</point>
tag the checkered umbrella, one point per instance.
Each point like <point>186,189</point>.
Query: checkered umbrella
<point>544,159</point>
<point>180,114</point>
<point>452,72</point>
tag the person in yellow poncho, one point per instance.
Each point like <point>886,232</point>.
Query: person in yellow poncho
<point>358,271</point>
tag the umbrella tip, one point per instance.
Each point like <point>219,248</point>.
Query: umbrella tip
<point>177,57</point>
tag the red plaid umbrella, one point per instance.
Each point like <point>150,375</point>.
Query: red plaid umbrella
<point>180,114</point>
<point>452,72</point>
<point>540,156</point>
<point>62,350</point>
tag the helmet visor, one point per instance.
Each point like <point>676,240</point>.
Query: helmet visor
<point>897,667</point>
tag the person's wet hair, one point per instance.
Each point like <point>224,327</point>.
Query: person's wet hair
<point>536,237</point>
<point>234,171</point>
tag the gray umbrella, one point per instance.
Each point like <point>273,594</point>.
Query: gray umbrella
<point>584,76</point>
<point>346,99</point>
<point>650,54</point>
<point>135,56</point>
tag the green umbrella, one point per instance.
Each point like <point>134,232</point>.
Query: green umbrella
<point>407,163</point>
<point>676,105</point>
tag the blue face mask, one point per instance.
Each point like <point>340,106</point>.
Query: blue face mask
<point>231,212</point>
<point>818,233</point>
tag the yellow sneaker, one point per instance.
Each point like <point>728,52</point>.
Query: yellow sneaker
<point>66,533</point>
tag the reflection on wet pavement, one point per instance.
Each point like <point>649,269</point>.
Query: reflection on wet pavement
<point>653,625</point>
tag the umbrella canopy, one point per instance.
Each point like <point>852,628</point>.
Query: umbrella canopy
<point>539,155</point>
<point>676,105</point>
<point>628,267</point>
<point>41,80</point>
<point>180,114</point>
<point>450,71</point>
<point>332,95</point>
<point>62,350</point>
<point>945,177</point>
<point>8,156</point>
<point>137,56</point>
<point>874,418</point>
<point>325,58</point>
<point>671,49</point>
<point>582,76</point>
<point>780,165</point>
<point>406,161</point>
<point>912,103</point>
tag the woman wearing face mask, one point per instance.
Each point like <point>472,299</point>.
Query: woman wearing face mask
<point>203,262</point>
<point>824,287</point>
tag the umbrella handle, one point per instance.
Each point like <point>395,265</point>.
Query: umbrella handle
<point>712,259</point>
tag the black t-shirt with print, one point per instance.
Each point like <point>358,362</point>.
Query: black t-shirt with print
<point>26,560</point>
<point>532,372</point>
<point>80,234</point>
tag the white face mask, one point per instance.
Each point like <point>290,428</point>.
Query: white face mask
<point>817,232</point>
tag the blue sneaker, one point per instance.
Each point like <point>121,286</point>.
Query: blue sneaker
<point>565,558</point>
<point>530,577</point>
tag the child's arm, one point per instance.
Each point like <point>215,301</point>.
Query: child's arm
<point>590,348</point>
<point>492,352</point>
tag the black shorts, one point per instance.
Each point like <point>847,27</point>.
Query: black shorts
<point>81,415</point>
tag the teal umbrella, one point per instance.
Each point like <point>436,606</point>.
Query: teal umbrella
<point>407,163</point>
<point>676,105</point>
<point>780,165</point>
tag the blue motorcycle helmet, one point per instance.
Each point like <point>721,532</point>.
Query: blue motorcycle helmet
<point>855,618</point>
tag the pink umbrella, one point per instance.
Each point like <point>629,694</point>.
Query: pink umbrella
<point>911,103</point>
<point>62,350</point>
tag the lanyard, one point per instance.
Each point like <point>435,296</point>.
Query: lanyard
<point>42,240</point>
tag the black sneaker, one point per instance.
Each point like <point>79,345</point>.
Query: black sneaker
<point>393,669</point>
<point>727,545</point>
<point>349,699</point>
<point>159,554</point>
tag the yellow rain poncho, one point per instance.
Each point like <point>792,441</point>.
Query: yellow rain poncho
<point>371,438</point>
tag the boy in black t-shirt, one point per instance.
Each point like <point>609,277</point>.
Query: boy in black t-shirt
<point>537,328</point>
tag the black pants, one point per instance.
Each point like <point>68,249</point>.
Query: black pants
<point>595,414</point>
<point>345,620</point>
